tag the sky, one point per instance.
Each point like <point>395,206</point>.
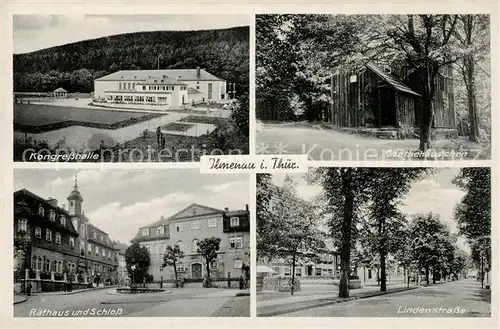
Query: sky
<point>35,32</point>
<point>434,193</point>
<point>121,201</point>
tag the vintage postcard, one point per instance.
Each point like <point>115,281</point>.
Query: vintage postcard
<point>130,88</point>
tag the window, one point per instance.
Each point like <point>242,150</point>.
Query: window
<point>181,268</point>
<point>179,227</point>
<point>94,234</point>
<point>128,85</point>
<point>238,263</point>
<point>72,242</point>
<point>119,85</point>
<point>48,235</point>
<point>22,225</point>
<point>235,221</point>
<point>318,272</point>
<point>287,271</point>
<point>236,242</point>
<point>197,87</point>
<point>82,247</point>
<point>41,211</point>
<point>82,229</point>
<point>63,220</point>
<point>214,265</point>
<point>109,97</point>
<point>58,238</point>
<point>212,222</point>
<point>89,248</point>
<point>139,98</point>
<point>145,231</point>
<point>194,247</point>
<point>103,253</point>
<point>195,225</point>
<point>97,250</point>
<point>209,91</point>
<point>143,87</point>
<point>150,99</point>
<point>118,98</point>
<point>52,216</point>
<point>39,264</point>
<point>180,244</point>
<point>160,230</point>
<point>33,263</point>
<point>298,271</point>
<point>38,232</point>
<point>133,85</point>
<point>47,265</point>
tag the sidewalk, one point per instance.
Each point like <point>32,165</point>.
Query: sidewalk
<point>70,292</point>
<point>304,300</point>
<point>19,299</point>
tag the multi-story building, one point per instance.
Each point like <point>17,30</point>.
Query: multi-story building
<point>191,225</point>
<point>61,243</point>
<point>122,273</point>
<point>168,88</point>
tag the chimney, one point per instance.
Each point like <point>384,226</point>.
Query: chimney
<point>198,73</point>
<point>64,207</point>
<point>246,208</point>
<point>52,202</point>
<point>162,218</point>
<point>226,209</point>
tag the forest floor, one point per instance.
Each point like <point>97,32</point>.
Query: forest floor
<point>322,144</point>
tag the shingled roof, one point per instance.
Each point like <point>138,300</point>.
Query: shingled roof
<point>391,79</point>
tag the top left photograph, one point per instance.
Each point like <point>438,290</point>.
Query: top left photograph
<point>130,88</point>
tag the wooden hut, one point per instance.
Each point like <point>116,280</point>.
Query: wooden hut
<point>376,98</point>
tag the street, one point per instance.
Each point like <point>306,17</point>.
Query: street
<point>464,296</point>
<point>327,144</point>
<point>187,302</point>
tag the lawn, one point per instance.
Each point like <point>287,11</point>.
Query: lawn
<point>175,126</point>
<point>40,118</point>
<point>203,119</point>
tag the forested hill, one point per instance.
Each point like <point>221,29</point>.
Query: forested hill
<point>224,53</point>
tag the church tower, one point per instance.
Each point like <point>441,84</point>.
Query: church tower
<point>75,200</point>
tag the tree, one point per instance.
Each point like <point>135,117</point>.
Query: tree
<point>208,248</point>
<point>384,222</point>
<point>172,257</point>
<point>264,214</point>
<point>292,232</point>
<point>429,240</point>
<point>139,256</point>
<point>473,213</point>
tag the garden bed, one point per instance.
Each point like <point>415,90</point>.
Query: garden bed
<point>177,126</point>
<point>203,119</point>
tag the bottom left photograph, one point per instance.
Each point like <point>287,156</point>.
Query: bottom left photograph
<point>138,243</point>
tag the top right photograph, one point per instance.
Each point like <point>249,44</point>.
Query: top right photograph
<point>374,87</point>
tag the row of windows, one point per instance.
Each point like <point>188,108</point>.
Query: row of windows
<point>101,251</point>
<point>47,265</point>
<point>126,85</point>
<point>166,88</point>
<point>52,215</point>
<point>195,225</point>
<point>49,236</point>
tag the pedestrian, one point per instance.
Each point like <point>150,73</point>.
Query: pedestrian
<point>28,288</point>
<point>163,141</point>
<point>158,135</point>
<point>161,282</point>
<point>229,279</point>
<point>241,282</point>
<point>101,145</point>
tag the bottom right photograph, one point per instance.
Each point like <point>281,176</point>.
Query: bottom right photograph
<point>374,242</point>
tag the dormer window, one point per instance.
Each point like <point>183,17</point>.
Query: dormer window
<point>160,230</point>
<point>235,221</point>
<point>145,231</point>
<point>94,234</point>
<point>63,220</point>
<point>22,225</point>
<point>52,216</point>
<point>72,242</point>
<point>41,211</point>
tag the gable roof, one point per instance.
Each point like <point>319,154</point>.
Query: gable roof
<point>391,80</point>
<point>193,210</point>
<point>60,90</point>
<point>141,75</point>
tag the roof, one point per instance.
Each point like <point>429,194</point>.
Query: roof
<point>60,90</point>
<point>391,80</point>
<point>163,92</point>
<point>233,213</point>
<point>193,91</point>
<point>162,81</point>
<point>142,75</point>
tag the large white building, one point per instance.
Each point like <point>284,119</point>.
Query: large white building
<point>168,88</point>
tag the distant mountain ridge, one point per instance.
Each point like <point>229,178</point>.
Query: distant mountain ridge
<point>74,66</point>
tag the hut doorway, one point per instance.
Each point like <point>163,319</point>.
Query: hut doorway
<point>387,107</point>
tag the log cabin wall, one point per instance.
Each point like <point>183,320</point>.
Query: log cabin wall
<point>444,109</point>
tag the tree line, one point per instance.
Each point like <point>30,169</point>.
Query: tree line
<point>224,53</point>
<point>358,208</point>
<point>297,54</point>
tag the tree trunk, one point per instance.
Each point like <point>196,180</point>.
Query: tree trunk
<point>470,84</point>
<point>383,282</point>
<point>208,274</point>
<point>427,275</point>
<point>175,274</point>
<point>293,274</point>
<point>408,277</point>
<point>434,272</point>
<point>345,254</point>
<point>426,124</point>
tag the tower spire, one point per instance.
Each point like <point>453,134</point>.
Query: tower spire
<point>76,180</point>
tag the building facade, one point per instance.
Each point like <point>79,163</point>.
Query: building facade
<point>191,225</point>
<point>60,244</point>
<point>166,88</point>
